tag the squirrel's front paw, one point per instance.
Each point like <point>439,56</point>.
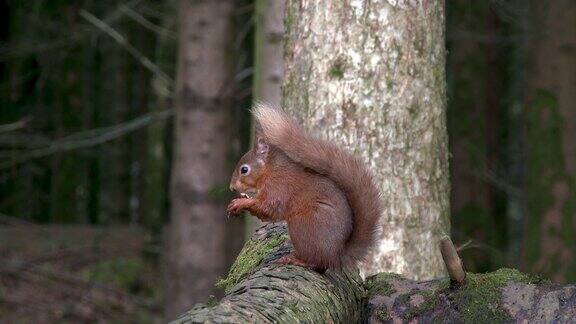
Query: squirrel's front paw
<point>238,205</point>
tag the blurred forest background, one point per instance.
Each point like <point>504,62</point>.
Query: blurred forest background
<point>87,142</point>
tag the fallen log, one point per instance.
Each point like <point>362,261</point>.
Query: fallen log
<point>258,290</point>
<point>503,296</point>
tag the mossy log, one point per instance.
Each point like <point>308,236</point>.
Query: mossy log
<point>503,296</point>
<point>258,290</point>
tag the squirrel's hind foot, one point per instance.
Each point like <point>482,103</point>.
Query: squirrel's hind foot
<point>292,259</point>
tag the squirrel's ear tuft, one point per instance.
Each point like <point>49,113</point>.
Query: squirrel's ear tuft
<point>262,147</point>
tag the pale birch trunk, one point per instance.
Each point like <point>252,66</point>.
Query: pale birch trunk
<point>269,61</point>
<point>196,237</point>
<point>370,76</point>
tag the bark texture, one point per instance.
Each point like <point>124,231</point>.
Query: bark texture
<point>259,291</point>
<point>269,60</point>
<point>550,229</point>
<point>196,238</point>
<point>370,76</point>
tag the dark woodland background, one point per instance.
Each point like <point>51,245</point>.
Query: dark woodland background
<point>86,139</point>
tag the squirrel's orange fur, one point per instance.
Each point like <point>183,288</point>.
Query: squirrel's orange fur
<point>325,194</point>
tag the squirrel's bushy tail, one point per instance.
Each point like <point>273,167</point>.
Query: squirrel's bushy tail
<point>346,170</point>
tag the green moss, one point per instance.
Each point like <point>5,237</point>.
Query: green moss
<point>413,111</point>
<point>444,284</point>
<point>379,285</point>
<point>250,256</point>
<point>288,18</point>
<point>212,301</point>
<point>336,71</point>
<point>122,273</point>
<point>288,26</point>
<point>430,300</point>
<point>479,299</point>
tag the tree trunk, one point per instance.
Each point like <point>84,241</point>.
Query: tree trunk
<point>113,159</point>
<point>551,124</point>
<point>156,161</point>
<point>119,160</point>
<point>196,237</point>
<point>473,122</point>
<point>269,61</point>
<point>257,290</point>
<point>369,75</point>
<point>68,181</point>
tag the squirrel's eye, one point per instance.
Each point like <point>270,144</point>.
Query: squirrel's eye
<point>244,169</point>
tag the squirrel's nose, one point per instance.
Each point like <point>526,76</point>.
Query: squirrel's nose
<point>232,188</point>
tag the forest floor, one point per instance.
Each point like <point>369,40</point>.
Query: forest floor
<point>77,274</point>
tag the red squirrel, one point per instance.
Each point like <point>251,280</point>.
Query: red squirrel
<point>325,194</point>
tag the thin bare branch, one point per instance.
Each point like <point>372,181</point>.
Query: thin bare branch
<point>13,221</point>
<point>15,125</point>
<point>80,140</point>
<point>147,23</point>
<point>120,39</point>
<point>466,245</point>
<point>27,47</point>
